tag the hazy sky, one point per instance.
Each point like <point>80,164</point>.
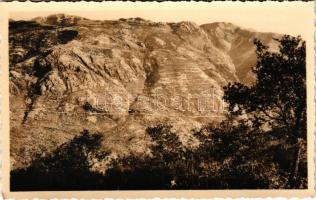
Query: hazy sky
<point>281,17</point>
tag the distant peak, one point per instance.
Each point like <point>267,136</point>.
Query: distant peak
<point>221,25</point>
<point>225,26</point>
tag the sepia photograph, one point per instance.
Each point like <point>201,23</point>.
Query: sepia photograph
<point>148,99</point>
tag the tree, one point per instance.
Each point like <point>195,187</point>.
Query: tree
<point>277,100</point>
<point>66,168</point>
<point>170,164</point>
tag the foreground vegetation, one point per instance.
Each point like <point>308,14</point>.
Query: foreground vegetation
<point>261,144</point>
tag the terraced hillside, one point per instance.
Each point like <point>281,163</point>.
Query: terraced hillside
<point>69,73</point>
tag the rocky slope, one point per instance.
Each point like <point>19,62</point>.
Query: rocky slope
<point>69,73</point>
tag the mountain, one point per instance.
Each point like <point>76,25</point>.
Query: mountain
<point>119,77</point>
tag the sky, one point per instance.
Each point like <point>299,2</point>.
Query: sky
<point>279,17</point>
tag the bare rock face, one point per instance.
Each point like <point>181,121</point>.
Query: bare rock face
<point>237,43</point>
<point>68,73</point>
<point>59,20</point>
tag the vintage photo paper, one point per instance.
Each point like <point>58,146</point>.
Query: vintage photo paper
<point>173,99</point>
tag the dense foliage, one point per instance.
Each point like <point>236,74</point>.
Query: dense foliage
<point>276,103</point>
